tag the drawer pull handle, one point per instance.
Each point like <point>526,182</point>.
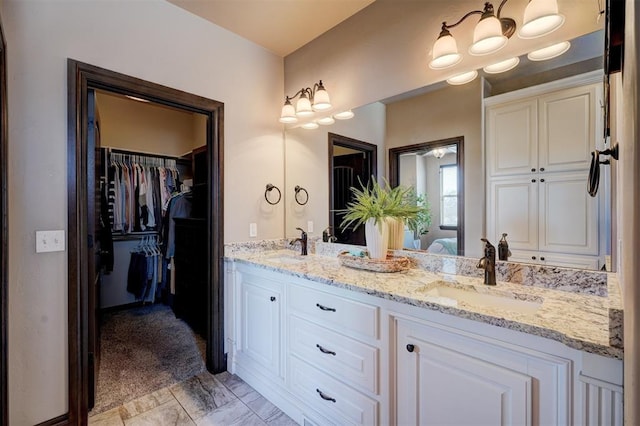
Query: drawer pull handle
<point>541,180</point>
<point>533,170</point>
<point>533,180</point>
<point>542,169</point>
<point>410,347</point>
<point>272,298</point>
<point>325,397</point>
<point>542,258</point>
<point>324,308</point>
<point>325,351</point>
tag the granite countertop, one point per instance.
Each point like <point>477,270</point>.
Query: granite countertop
<point>581,321</point>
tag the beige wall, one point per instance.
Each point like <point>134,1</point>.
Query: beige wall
<point>153,40</point>
<point>145,127</point>
<point>441,114</point>
<point>384,50</point>
<point>308,164</point>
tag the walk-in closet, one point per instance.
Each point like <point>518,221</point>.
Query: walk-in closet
<point>151,197</point>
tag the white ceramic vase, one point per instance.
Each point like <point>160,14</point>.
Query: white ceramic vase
<point>377,238</point>
<point>396,233</point>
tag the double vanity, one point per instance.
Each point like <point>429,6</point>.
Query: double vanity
<point>329,344</point>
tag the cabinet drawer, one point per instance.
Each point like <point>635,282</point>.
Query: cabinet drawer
<point>339,355</point>
<point>333,399</point>
<point>336,312</point>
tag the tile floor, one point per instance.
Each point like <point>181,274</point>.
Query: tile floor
<point>205,399</point>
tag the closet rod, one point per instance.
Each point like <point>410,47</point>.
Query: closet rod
<point>142,154</point>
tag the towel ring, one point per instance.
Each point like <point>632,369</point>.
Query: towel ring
<point>594,169</point>
<point>299,189</point>
<point>266,194</point>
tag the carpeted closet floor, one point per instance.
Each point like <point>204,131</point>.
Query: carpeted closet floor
<point>142,350</point>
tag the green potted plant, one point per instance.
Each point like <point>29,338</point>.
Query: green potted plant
<point>373,206</point>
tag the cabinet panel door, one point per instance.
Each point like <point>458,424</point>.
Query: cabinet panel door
<point>441,386</point>
<point>513,208</point>
<point>512,138</point>
<point>568,215</point>
<point>261,323</point>
<point>568,128</point>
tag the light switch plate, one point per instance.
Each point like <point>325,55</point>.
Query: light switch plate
<point>310,226</point>
<point>253,229</point>
<point>48,241</point>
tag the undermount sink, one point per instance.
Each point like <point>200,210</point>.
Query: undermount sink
<point>450,295</point>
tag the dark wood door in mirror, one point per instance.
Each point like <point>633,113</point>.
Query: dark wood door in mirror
<point>436,170</point>
<point>351,162</point>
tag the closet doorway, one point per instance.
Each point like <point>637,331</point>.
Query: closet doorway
<point>86,165</point>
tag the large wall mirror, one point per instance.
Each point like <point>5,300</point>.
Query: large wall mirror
<point>436,170</point>
<point>402,123</point>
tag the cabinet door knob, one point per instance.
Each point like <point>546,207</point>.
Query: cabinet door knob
<point>324,396</point>
<point>324,308</point>
<point>325,351</point>
<point>542,258</point>
<point>542,169</point>
<point>533,170</point>
<point>533,257</point>
<point>410,347</point>
<point>272,298</point>
<point>533,180</point>
<point>541,180</point>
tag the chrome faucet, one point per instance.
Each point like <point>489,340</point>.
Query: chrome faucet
<point>488,263</point>
<point>302,240</point>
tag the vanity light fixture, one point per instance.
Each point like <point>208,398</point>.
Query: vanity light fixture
<point>310,99</point>
<point>549,52</point>
<point>502,66</point>
<point>490,35</point>
<point>310,125</point>
<point>325,121</point>
<point>344,115</point>
<point>541,17</point>
<point>463,78</point>
<point>492,31</point>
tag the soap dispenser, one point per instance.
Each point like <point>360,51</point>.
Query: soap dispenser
<point>503,248</point>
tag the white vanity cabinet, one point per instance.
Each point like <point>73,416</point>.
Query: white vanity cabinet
<point>538,143</point>
<point>446,376</point>
<point>332,356</point>
<point>261,324</point>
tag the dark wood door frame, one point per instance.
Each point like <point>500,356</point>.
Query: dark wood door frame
<point>458,141</point>
<point>343,141</point>
<point>82,77</point>
<point>4,409</point>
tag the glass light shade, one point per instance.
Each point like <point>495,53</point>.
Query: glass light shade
<point>325,121</point>
<point>502,66</point>
<point>487,37</point>
<point>303,107</point>
<point>439,152</point>
<point>310,126</point>
<point>540,18</point>
<point>344,115</point>
<point>288,114</point>
<point>549,52</point>
<point>445,53</point>
<point>463,78</point>
<point>321,100</point>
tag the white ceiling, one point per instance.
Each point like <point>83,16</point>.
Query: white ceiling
<point>281,26</point>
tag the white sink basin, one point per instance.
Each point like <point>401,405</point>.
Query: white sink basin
<point>452,295</point>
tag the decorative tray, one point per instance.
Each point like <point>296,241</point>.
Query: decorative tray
<point>390,264</point>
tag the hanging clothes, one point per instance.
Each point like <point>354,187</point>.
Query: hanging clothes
<point>143,274</point>
<point>141,189</point>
